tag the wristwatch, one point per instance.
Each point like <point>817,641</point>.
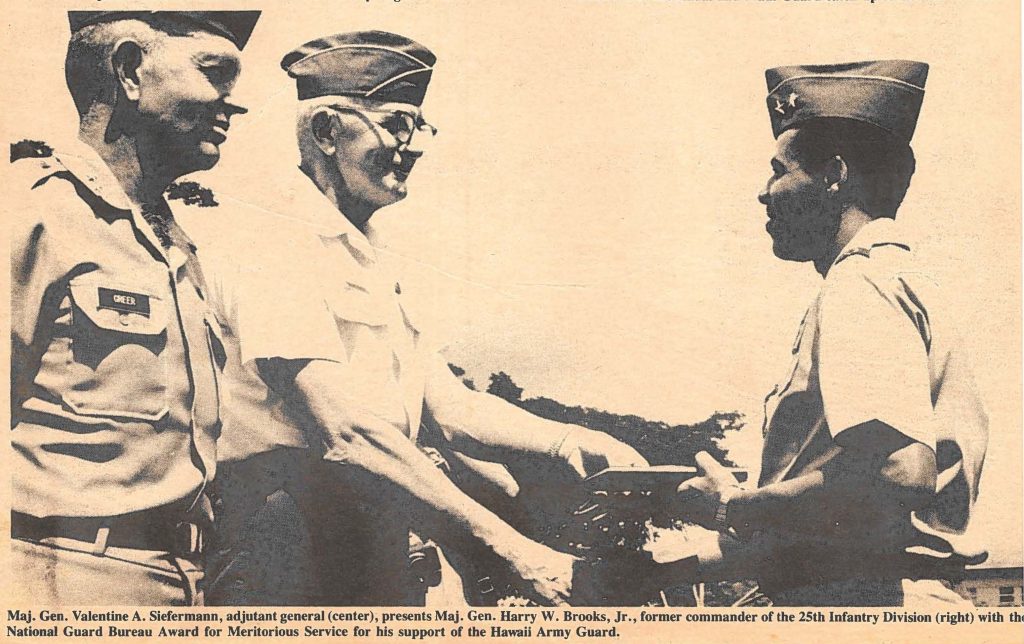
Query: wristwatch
<point>722,512</point>
<point>556,447</point>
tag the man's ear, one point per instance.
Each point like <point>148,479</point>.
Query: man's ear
<point>126,61</point>
<point>836,174</point>
<point>321,127</point>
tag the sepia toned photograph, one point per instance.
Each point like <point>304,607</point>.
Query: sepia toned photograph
<point>466,306</point>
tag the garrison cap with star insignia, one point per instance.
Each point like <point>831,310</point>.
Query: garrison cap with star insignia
<point>884,93</point>
<point>236,26</point>
<point>365,64</point>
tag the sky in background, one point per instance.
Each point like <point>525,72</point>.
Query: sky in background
<point>586,219</point>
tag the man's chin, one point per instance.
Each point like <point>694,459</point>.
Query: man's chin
<point>789,253</point>
<point>784,250</point>
<point>209,154</point>
<point>395,189</point>
<point>199,161</point>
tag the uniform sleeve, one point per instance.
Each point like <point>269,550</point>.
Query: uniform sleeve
<point>33,269</point>
<point>872,357</point>
<point>277,305</point>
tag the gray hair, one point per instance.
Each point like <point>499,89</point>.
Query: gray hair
<point>88,69</point>
<point>309,107</point>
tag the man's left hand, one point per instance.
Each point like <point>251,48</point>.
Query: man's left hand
<point>700,497</point>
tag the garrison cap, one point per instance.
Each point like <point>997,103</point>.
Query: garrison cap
<point>236,26</point>
<point>884,93</point>
<point>366,64</point>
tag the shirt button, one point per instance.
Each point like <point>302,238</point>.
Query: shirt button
<point>398,288</point>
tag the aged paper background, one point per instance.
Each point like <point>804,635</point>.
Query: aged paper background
<point>587,219</point>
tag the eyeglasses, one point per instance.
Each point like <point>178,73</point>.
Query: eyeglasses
<point>399,124</point>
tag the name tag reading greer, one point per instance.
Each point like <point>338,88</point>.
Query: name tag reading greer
<point>124,301</point>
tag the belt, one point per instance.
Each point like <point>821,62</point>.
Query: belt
<point>158,529</point>
<point>872,568</point>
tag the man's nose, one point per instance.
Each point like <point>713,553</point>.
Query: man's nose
<point>414,147</point>
<point>763,196</point>
<point>231,108</point>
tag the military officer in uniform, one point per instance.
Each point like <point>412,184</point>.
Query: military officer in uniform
<point>115,354</point>
<point>875,437</point>
<point>324,359</point>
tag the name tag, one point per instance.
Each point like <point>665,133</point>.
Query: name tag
<point>124,301</point>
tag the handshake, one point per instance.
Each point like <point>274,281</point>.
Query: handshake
<point>599,552</point>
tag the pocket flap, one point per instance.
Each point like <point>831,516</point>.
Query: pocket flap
<point>354,304</point>
<point>118,307</point>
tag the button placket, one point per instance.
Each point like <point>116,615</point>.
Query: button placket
<point>774,397</point>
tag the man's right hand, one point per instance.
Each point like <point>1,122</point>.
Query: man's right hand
<point>547,573</point>
<point>588,452</point>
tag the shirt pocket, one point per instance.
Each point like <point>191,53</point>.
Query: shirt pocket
<point>362,319</point>
<point>118,362</point>
<point>367,325</point>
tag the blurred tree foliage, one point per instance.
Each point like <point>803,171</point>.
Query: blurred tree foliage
<point>192,193</point>
<point>27,148</point>
<point>659,442</point>
<point>503,386</point>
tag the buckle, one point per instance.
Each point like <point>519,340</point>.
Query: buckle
<point>187,538</point>
<point>425,565</point>
<point>485,585</point>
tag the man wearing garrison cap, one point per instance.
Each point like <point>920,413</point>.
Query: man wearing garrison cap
<point>875,436</point>
<point>115,354</point>
<point>331,381</point>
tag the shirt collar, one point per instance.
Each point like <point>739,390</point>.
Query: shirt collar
<point>875,233</point>
<point>88,167</point>
<point>312,206</point>
<point>181,237</point>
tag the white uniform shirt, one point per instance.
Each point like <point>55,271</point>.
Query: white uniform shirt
<point>303,283</point>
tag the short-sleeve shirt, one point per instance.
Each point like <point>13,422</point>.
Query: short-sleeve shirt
<point>115,352</point>
<point>303,283</point>
<point>878,343</point>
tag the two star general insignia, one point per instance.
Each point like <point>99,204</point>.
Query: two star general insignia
<point>787,107</point>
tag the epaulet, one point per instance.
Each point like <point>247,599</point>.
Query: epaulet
<point>866,249</point>
<point>33,162</point>
<point>31,173</point>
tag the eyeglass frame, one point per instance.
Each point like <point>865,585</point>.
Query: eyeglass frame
<point>418,123</point>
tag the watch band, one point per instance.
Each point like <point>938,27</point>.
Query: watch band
<point>556,447</point>
<point>722,512</point>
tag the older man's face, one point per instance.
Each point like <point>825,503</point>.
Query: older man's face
<point>377,147</point>
<point>185,84</point>
<point>802,220</point>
